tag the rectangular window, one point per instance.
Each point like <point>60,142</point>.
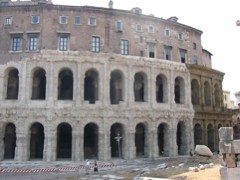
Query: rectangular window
<point>151,29</point>
<point>92,21</point>
<point>95,44</point>
<point>151,50</point>
<point>194,46</point>
<point>124,47</point>
<point>195,59</point>
<point>138,28</point>
<point>8,21</point>
<point>35,19</point>
<point>63,42</point>
<point>33,42</point>
<point>63,20</point>
<point>119,26</point>
<point>180,36</point>
<point>17,43</point>
<point>77,20</point>
<point>167,52</point>
<point>167,32</point>
<point>183,54</point>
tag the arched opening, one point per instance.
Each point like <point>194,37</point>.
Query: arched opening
<point>198,135</point>
<point>116,140</point>
<point>116,87</point>
<point>179,91</point>
<point>217,96</point>
<point>236,131</point>
<point>140,139</point>
<point>91,86</point>
<point>161,89</point>
<point>207,94</point>
<point>182,138</point>
<point>65,85</point>
<point>64,141</point>
<point>163,140</point>
<point>12,84</point>
<point>210,134</point>
<point>91,141</point>
<point>140,87</point>
<point>37,141</point>
<point>195,90</point>
<point>39,84</point>
<point>9,141</point>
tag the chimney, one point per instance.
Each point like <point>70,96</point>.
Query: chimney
<point>110,4</point>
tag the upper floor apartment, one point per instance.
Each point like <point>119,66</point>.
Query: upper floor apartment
<point>31,26</point>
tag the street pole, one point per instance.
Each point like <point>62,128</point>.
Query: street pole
<point>118,138</point>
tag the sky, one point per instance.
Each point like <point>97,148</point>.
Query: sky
<point>217,20</point>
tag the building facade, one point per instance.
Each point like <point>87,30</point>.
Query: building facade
<point>89,82</point>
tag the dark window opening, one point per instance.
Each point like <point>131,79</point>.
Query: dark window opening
<point>39,84</point>
<point>12,84</point>
<point>91,86</point>
<point>65,85</point>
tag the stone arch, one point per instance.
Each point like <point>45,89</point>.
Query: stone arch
<point>39,84</point>
<point>198,134</point>
<point>91,86</point>
<point>210,137</point>
<point>140,137</point>
<point>116,87</point>
<point>9,141</point>
<point>161,89</point>
<point>207,93</point>
<point>65,84</point>
<point>64,140</point>
<point>217,94</point>
<point>12,82</point>
<point>163,140</point>
<point>140,87</point>
<point>116,140</point>
<point>91,141</point>
<point>179,90</point>
<point>182,138</point>
<point>195,92</point>
<point>36,141</point>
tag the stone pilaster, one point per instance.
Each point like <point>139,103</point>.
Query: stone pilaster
<point>50,147</point>
<point>75,144</point>
<point>173,151</point>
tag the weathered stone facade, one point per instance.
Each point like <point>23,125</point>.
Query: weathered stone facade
<point>74,79</point>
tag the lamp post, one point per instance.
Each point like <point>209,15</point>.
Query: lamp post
<point>118,138</point>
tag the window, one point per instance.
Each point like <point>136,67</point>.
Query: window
<point>95,44</point>
<point>35,19</point>
<point>92,21</point>
<point>77,20</point>
<point>119,26</point>
<point>167,32</point>
<point>151,50</point>
<point>180,36</point>
<point>124,47</point>
<point>63,42</point>
<point>8,21</point>
<point>63,20</point>
<point>151,29</point>
<point>33,42</point>
<point>194,46</point>
<point>167,52</point>
<point>183,54</point>
<point>17,42</point>
<point>138,28</point>
<point>195,59</point>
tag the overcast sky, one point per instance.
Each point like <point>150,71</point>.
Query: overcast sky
<point>217,20</point>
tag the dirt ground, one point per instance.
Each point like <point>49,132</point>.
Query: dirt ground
<point>173,171</point>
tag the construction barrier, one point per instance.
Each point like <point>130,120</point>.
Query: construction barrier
<point>53,169</point>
